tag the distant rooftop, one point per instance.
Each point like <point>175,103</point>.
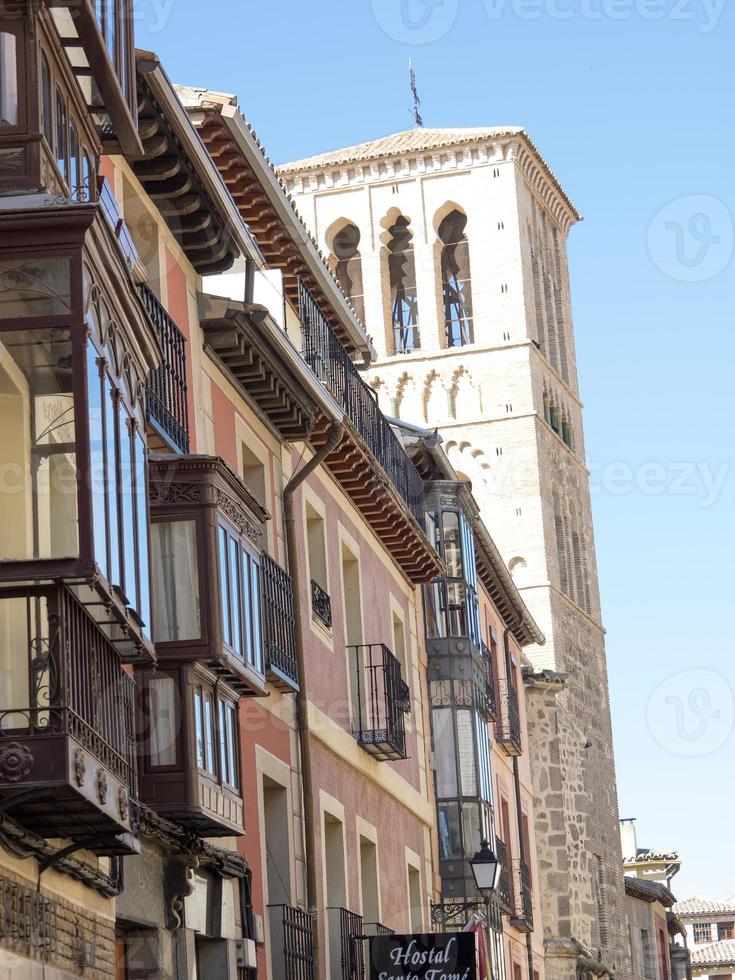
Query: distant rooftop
<point>698,905</point>
<point>644,857</point>
<point>720,954</point>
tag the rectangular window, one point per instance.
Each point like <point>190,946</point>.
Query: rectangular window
<point>8,79</point>
<point>97,459</point>
<point>162,695</point>
<point>127,480</point>
<point>111,410</point>
<point>240,597</point>
<point>62,151</point>
<point>46,101</point>
<point>466,748</point>
<point>199,728</point>
<point>224,588</point>
<point>442,723</point>
<point>238,609</point>
<point>176,581</point>
<point>209,733</point>
<point>702,932</point>
<point>450,837</point>
<point>227,738</point>
<point>141,530</point>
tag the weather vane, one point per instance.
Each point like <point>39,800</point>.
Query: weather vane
<point>418,121</point>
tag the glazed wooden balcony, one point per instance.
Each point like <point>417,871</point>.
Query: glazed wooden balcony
<point>166,404</point>
<point>67,750</point>
<point>381,701</point>
<point>508,722</point>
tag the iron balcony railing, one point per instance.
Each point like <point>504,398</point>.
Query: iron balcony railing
<point>522,896</point>
<point>508,722</point>
<point>292,943</point>
<point>72,680</point>
<point>166,396</point>
<point>376,929</point>
<point>280,623</point>
<point>325,354</point>
<point>321,604</point>
<point>381,700</point>
<point>491,703</point>
<point>504,893</point>
<point>346,945</point>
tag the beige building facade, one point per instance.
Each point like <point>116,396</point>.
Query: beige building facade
<point>452,245</point>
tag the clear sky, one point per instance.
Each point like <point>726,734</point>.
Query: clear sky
<point>632,104</point>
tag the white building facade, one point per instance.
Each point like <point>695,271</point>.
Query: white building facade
<point>452,246</point>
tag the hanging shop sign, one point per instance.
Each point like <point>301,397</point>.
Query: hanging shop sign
<point>424,956</point>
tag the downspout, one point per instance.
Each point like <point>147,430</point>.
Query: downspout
<point>302,701</point>
<point>517,785</point>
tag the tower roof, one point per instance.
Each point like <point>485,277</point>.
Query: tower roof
<point>397,144</point>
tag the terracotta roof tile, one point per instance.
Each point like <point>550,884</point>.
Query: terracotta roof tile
<point>714,954</point>
<point>704,906</point>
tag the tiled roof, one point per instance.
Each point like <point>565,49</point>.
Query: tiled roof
<point>704,906</point>
<point>408,141</point>
<point>714,954</point>
<point>649,891</point>
<point>643,857</point>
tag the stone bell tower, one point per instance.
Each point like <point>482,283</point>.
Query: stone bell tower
<point>452,246</point>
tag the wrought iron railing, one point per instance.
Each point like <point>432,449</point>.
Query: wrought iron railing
<point>377,929</point>
<point>508,722</point>
<point>292,943</point>
<point>522,894</point>
<point>325,354</point>
<point>504,892</point>
<point>166,396</point>
<point>321,604</point>
<point>381,700</point>
<point>74,682</point>
<point>491,703</point>
<point>347,954</point>
<point>279,621</point>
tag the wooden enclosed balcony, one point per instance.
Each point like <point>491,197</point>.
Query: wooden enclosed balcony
<point>380,701</point>
<point>67,749</point>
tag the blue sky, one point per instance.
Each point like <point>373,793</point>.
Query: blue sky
<point>631,102</point>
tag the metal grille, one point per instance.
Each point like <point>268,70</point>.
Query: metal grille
<point>76,683</point>
<point>166,395</point>
<point>279,620</point>
<point>508,724</point>
<point>321,604</point>
<point>351,939</point>
<point>381,701</point>
<point>491,703</point>
<point>326,356</point>
<point>292,943</point>
<point>504,887</point>
<point>28,920</point>
<point>522,894</point>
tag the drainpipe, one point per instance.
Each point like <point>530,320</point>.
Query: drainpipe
<point>524,857</point>
<point>302,702</point>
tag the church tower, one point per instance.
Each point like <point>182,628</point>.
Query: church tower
<point>452,247</point>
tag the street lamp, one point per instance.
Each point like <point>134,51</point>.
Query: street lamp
<point>486,869</point>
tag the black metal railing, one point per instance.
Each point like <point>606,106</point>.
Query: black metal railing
<point>321,604</point>
<point>491,702</point>
<point>504,892</point>
<point>381,700</point>
<point>522,895</point>
<point>346,945</point>
<point>325,354</point>
<point>292,943</point>
<point>376,929</point>
<point>508,722</point>
<point>74,683</point>
<point>166,396</point>
<point>279,621</point>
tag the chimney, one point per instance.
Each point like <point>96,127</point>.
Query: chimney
<point>628,844</point>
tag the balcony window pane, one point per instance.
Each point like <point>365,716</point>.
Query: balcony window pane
<point>224,588</point>
<point>450,838</point>
<point>456,597</point>
<point>199,728</point>
<point>466,747</point>
<point>74,175</point>
<point>141,505</point>
<point>111,411</point>
<point>111,28</point>
<point>8,80</point>
<point>86,190</point>
<point>483,759</point>
<point>34,287</point>
<point>257,646</point>
<point>446,767</point>
<point>97,458</point>
<point>452,546</point>
<point>130,586</point>
<point>14,662</point>
<point>38,446</point>
<point>163,696</point>
<point>434,610</point>
<point>236,597</point>
<point>471,828</point>
<point>222,740</point>
<point>175,581</point>
<point>231,721</point>
<point>46,103</point>
<point>209,733</point>
<point>62,152</point>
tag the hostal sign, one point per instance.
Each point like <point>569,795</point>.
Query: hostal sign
<point>427,956</point>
